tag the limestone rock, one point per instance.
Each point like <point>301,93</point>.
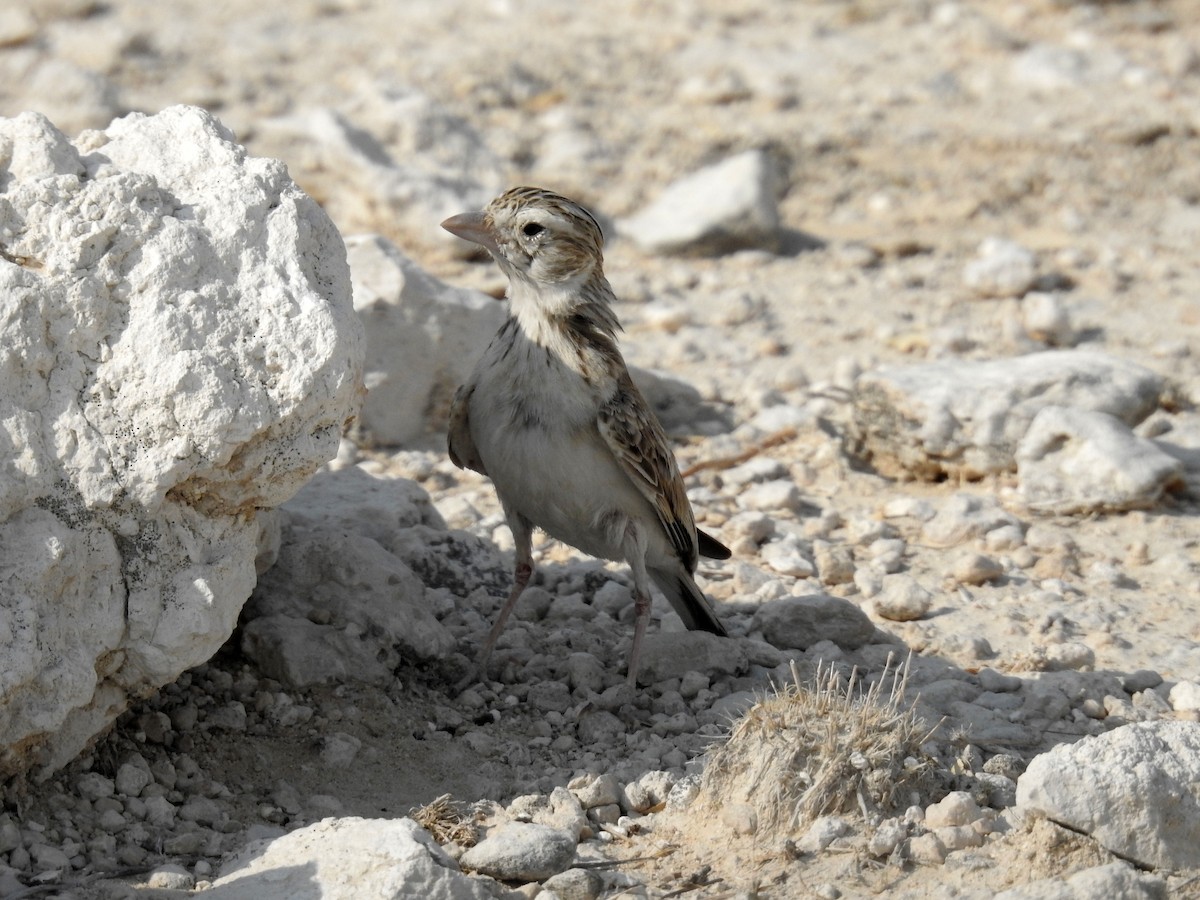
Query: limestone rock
<point>423,338</point>
<point>521,851</point>
<point>963,418</point>
<point>178,354</point>
<point>1075,460</point>
<point>349,858</point>
<point>338,604</point>
<point>671,654</point>
<point>1002,268</point>
<point>1132,789</point>
<point>800,622</point>
<point>1115,881</point>
<point>725,207</point>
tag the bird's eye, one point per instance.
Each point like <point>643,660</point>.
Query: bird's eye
<point>533,228</point>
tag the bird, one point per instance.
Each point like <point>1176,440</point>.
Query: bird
<point>551,415</point>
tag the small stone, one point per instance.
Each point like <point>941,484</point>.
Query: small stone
<point>201,810</point>
<point>595,790</point>
<point>821,833</point>
<point>772,495</point>
<point>958,837</point>
<point>585,673</point>
<point>800,622</point>
<point>1002,268</point>
<point>835,562</point>
<point>649,791</point>
<point>1185,696</point>
<point>1069,655</point>
<point>1046,319</point>
<point>575,884</point>
<point>725,207</point>
<point>518,851</point>
<point>902,599</point>
<point>171,877</point>
<point>47,857</point>
<point>956,808</point>
<point>889,834</point>
<point>111,821</point>
<point>975,568</point>
<point>230,717</point>
<point>996,682</point>
<point>926,850</point>
<point>93,786</point>
<point>1141,680</point>
<point>183,719</point>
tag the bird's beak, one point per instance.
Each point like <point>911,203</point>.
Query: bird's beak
<point>472,227</point>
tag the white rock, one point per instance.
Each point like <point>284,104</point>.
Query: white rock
<point>182,321</point>
<point>821,833</point>
<point>1076,460</point>
<point>1002,268</point>
<point>725,207</point>
<point>1115,881</point>
<point>671,654</point>
<point>520,851</point>
<point>1046,319</point>
<point>1185,696</point>
<point>956,808</point>
<point>346,859</point>
<point>902,599</point>
<point>800,622</point>
<point>1131,789</point>
<point>965,418</point>
<point>423,338</point>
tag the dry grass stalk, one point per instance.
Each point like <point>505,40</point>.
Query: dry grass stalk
<point>447,820</point>
<point>818,747</point>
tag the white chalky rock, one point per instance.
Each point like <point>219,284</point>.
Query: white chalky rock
<point>178,352</point>
<point>1132,789</point>
<point>725,207</point>
<point>346,859</point>
<point>1077,460</point>
<point>1003,268</point>
<point>1115,881</point>
<point>423,338</point>
<point>965,418</point>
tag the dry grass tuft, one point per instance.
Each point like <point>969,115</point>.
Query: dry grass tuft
<point>448,820</point>
<point>819,747</point>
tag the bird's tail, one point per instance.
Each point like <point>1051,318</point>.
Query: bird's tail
<point>688,600</point>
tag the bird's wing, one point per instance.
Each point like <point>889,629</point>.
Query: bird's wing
<point>458,435</point>
<point>637,440</point>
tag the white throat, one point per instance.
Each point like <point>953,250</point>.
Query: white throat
<point>534,305</point>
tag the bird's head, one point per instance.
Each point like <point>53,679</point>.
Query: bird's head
<point>537,237</point>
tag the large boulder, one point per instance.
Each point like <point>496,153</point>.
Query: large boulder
<point>1133,790</point>
<point>178,353</point>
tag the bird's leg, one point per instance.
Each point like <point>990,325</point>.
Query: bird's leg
<point>523,571</point>
<point>635,554</point>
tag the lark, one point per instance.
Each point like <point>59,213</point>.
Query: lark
<point>552,417</point>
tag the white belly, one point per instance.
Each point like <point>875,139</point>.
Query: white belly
<point>535,429</point>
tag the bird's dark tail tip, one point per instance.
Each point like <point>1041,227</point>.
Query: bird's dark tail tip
<point>710,547</point>
<point>700,613</point>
